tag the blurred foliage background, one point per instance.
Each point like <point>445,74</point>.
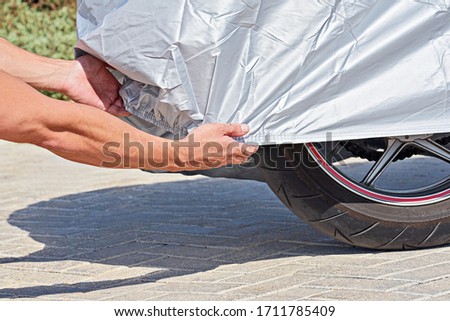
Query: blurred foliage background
<point>43,27</point>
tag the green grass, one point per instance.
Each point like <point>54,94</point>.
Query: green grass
<point>43,27</point>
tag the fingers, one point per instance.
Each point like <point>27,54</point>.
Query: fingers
<point>235,130</point>
<point>233,151</point>
<point>225,152</point>
<point>212,145</point>
<point>220,129</point>
<point>240,153</point>
<point>96,102</point>
<point>118,112</point>
<point>117,108</point>
<point>249,150</point>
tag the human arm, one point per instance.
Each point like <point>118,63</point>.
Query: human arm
<point>87,135</point>
<point>86,80</point>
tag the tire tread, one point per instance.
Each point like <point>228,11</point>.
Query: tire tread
<point>326,214</point>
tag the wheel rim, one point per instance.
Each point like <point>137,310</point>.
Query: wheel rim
<point>432,191</point>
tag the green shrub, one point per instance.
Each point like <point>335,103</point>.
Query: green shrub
<point>43,27</point>
<point>52,4</point>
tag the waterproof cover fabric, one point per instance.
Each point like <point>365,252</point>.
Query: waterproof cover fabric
<point>294,70</point>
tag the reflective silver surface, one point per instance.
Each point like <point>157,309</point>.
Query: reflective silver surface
<point>294,70</point>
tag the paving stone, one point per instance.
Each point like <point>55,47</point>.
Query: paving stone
<point>259,251</point>
<point>348,270</point>
<point>430,272</point>
<point>265,274</point>
<point>352,283</point>
<point>193,240</point>
<point>53,253</point>
<point>271,285</point>
<point>195,287</point>
<point>183,263</point>
<point>74,232</point>
<point>433,288</point>
<point>369,295</point>
<point>209,276</point>
<point>441,297</point>
<point>414,260</point>
<point>131,259</point>
<point>92,269</point>
<point>45,278</point>
<point>188,251</point>
<point>293,294</point>
<point>52,266</point>
<point>186,296</point>
<point>123,273</point>
<point>119,293</point>
<point>258,265</point>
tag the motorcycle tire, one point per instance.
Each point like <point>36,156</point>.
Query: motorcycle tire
<point>318,199</point>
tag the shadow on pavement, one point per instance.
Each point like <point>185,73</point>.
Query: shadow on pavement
<point>178,228</point>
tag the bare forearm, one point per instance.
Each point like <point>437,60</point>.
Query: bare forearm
<point>92,137</point>
<point>75,131</point>
<point>40,72</point>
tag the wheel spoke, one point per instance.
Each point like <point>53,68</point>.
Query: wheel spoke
<point>333,155</point>
<point>422,183</point>
<point>393,148</point>
<point>434,148</point>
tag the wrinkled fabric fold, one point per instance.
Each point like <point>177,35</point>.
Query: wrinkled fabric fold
<point>296,70</point>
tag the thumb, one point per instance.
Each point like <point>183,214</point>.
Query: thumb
<point>235,130</point>
<point>90,98</point>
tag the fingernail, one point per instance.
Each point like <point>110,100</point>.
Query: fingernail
<point>253,148</point>
<point>245,128</point>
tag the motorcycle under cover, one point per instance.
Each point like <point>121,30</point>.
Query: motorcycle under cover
<point>294,70</point>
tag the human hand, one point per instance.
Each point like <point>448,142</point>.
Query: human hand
<point>211,146</point>
<point>90,82</point>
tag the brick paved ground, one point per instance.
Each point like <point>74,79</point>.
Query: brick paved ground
<point>72,232</point>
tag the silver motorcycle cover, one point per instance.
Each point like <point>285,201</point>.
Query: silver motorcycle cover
<point>294,70</point>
